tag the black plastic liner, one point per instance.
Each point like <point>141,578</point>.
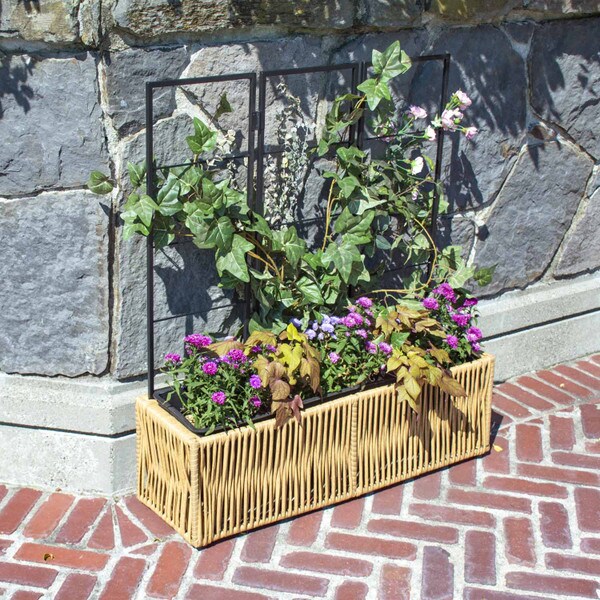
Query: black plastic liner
<point>174,406</point>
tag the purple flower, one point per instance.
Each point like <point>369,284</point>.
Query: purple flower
<point>371,347</point>
<point>255,401</point>
<point>219,397</point>
<point>452,341</point>
<point>327,327</point>
<point>334,357</point>
<point>210,368</point>
<point>174,359</point>
<point>235,355</point>
<point>334,320</point>
<point>476,346</point>
<point>270,348</point>
<point>255,382</point>
<point>311,334</point>
<point>296,322</point>
<point>255,349</point>
<point>470,302</point>
<point>361,333</point>
<point>353,319</point>
<point>430,303</point>
<point>446,291</point>
<point>321,337</point>
<point>461,320</point>
<point>364,302</point>
<point>474,334</point>
<point>385,347</point>
<point>198,341</point>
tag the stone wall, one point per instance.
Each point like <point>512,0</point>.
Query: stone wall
<point>525,195</point>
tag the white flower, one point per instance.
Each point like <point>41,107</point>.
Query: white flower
<point>451,118</point>
<point>417,165</point>
<point>463,99</point>
<point>429,133</point>
<point>417,112</point>
<point>471,132</point>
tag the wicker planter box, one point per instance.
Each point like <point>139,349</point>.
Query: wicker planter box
<point>209,488</point>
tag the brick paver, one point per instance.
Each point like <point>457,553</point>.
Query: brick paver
<point>521,523</point>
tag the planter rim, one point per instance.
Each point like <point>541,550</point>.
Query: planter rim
<point>315,402</point>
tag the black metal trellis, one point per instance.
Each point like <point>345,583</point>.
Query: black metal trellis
<point>256,153</point>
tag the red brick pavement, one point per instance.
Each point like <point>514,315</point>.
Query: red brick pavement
<point>522,522</point>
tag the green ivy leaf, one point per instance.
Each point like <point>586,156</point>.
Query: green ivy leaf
<point>203,139</point>
<point>234,261</point>
<point>461,276</point>
<point>347,185</point>
<point>224,106</point>
<point>343,257</point>
<point>484,275</point>
<point>390,63</point>
<point>130,229</point>
<point>293,246</point>
<point>375,91</point>
<point>137,173</point>
<point>145,209</point>
<point>99,183</point>
<point>197,224</point>
<point>168,197</point>
<point>310,290</point>
<point>220,233</point>
<point>211,194</point>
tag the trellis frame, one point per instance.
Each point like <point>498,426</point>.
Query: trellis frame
<point>255,155</point>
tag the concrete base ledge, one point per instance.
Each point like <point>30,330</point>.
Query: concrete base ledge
<point>542,326</point>
<point>79,434</point>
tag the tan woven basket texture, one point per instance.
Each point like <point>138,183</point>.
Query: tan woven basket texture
<point>209,488</point>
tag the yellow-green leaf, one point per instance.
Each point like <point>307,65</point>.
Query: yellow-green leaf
<point>451,386</point>
<point>412,386</point>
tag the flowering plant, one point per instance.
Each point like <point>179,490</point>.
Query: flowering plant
<point>228,383</point>
<point>215,390</point>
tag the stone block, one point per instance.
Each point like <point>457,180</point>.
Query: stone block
<point>49,111</point>
<point>478,10</point>
<point>532,213</point>
<point>492,73</point>
<point>161,18</point>
<point>51,21</point>
<point>126,75</point>
<point>564,66</point>
<point>389,13</point>
<point>547,9</point>
<point>55,299</point>
<point>581,249</point>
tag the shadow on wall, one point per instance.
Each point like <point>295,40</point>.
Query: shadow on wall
<point>13,81</point>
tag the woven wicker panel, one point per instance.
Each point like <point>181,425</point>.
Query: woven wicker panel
<point>217,486</point>
<point>248,478</point>
<point>394,443</point>
<point>166,464</point>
